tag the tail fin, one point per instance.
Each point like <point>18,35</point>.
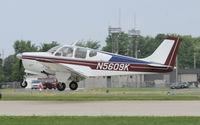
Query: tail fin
<point>166,53</point>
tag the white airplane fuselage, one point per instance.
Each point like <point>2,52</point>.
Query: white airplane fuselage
<point>71,61</point>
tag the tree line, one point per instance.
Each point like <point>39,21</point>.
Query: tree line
<point>189,49</point>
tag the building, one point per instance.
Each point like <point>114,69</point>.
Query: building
<point>142,81</point>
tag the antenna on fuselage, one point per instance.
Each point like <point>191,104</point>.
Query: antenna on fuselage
<point>74,44</point>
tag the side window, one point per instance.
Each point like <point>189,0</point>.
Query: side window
<point>92,53</point>
<point>67,51</point>
<point>58,53</point>
<point>80,53</point>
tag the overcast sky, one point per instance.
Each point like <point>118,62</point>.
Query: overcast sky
<point>67,21</point>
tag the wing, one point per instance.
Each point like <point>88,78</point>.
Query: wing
<point>59,67</point>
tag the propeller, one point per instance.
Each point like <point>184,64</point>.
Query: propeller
<point>20,64</point>
<point>19,56</point>
<point>21,77</point>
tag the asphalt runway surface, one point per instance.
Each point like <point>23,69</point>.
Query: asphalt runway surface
<point>100,108</point>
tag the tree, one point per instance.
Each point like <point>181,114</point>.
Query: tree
<point>123,44</point>
<point>147,45</point>
<point>11,63</point>
<point>8,67</point>
<point>19,46</point>
<point>186,52</point>
<point>196,53</point>
<point>89,44</point>
<point>46,46</point>
<point>1,71</point>
<point>24,46</point>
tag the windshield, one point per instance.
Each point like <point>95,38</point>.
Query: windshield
<point>52,50</point>
<point>65,51</point>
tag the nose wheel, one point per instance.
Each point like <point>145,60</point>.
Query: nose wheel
<point>23,84</point>
<point>73,85</point>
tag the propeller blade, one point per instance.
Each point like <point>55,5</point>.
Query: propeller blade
<point>20,64</point>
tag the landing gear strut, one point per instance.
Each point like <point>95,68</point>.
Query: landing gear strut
<point>61,86</point>
<point>73,85</point>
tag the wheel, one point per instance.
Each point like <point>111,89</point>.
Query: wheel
<point>61,86</point>
<point>73,85</point>
<point>24,84</point>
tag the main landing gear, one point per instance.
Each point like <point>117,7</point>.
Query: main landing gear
<point>61,86</point>
<point>72,85</point>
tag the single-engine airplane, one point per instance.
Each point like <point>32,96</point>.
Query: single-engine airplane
<point>74,63</point>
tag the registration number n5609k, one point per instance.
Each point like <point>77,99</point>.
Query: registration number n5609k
<point>112,66</point>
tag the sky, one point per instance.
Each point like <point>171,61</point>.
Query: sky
<point>67,21</point>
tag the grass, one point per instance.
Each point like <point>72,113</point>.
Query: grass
<point>115,89</point>
<point>95,96</point>
<point>132,89</point>
<point>114,95</point>
<point>104,120</point>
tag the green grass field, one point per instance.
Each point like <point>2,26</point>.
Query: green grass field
<point>115,89</point>
<point>84,120</point>
<point>114,94</point>
<point>131,89</point>
<point>94,97</point>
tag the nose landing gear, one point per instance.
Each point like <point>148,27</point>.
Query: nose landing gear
<point>23,84</point>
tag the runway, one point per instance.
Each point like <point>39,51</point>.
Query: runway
<point>100,108</point>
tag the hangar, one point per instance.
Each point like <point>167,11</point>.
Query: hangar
<point>129,81</point>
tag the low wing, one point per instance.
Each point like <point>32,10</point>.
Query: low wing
<point>59,67</point>
<point>71,69</point>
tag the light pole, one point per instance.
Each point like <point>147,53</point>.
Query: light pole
<point>176,68</point>
<point>133,35</point>
<point>195,60</point>
<point>195,56</point>
<point>114,33</point>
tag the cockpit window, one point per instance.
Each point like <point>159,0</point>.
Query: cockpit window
<point>65,51</point>
<point>80,53</point>
<point>52,50</point>
<point>92,53</point>
<point>58,54</point>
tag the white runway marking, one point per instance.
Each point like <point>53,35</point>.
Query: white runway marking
<point>100,108</point>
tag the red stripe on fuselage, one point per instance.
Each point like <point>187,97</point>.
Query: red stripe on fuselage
<point>132,67</point>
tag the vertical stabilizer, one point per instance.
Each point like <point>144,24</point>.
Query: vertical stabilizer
<point>166,53</point>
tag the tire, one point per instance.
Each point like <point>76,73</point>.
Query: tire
<point>24,84</point>
<point>61,86</point>
<point>73,85</point>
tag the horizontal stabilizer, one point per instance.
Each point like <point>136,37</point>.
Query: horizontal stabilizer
<point>159,65</point>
